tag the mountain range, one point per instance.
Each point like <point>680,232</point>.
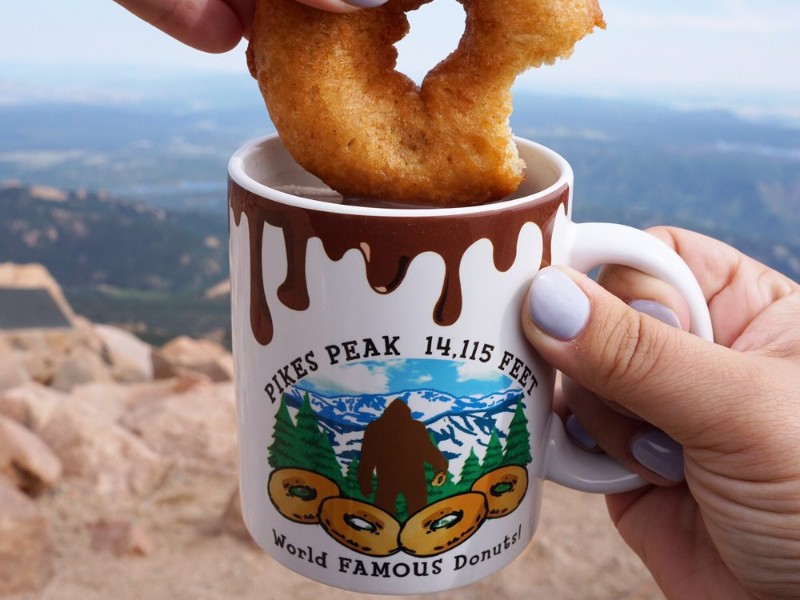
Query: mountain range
<point>125,202</point>
<point>455,423</point>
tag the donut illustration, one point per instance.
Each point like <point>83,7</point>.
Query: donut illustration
<point>298,494</point>
<point>504,489</point>
<point>444,524</point>
<point>362,527</point>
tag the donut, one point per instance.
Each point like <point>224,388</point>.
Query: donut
<point>444,525</point>
<point>439,479</point>
<point>345,114</point>
<point>298,494</point>
<point>504,489</point>
<point>360,526</point>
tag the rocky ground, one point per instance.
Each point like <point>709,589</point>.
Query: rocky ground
<point>118,481</point>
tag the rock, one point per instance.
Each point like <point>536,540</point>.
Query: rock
<point>232,521</point>
<point>26,460</point>
<point>101,453</point>
<point>184,354</point>
<point>120,538</point>
<point>48,193</point>
<point>131,358</point>
<point>220,290</point>
<point>26,550</point>
<point>197,428</point>
<point>78,367</point>
<point>31,404</point>
<point>43,351</point>
<point>12,369</point>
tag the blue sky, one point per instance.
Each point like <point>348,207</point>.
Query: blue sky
<point>459,378</point>
<point>651,47</point>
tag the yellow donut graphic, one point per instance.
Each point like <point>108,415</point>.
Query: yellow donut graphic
<point>504,489</point>
<point>360,526</point>
<point>444,524</point>
<point>298,494</point>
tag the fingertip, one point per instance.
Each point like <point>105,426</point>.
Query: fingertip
<point>660,454</point>
<point>557,306</point>
<point>658,311</point>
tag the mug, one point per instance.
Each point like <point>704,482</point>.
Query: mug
<point>395,426</point>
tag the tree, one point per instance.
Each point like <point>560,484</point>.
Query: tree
<point>494,453</point>
<point>281,451</point>
<point>313,447</point>
<point>518,442</point>
<point>470,472</point>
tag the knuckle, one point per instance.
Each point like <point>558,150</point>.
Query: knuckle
<point>629,352</point>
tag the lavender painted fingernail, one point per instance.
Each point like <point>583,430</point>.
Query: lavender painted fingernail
<point>557,305</point>
<point>365,3</point>
<point>659,453</point>
<point>580,435</point>
<point>657,311</point>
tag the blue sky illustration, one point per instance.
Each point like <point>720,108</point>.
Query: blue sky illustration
<point>458,378</point>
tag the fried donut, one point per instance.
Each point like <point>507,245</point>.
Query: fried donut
<point>367,130</point>
<point>360,526</point>
<point>504,489</point>
<point>298,494</point>
<point>444,525</point>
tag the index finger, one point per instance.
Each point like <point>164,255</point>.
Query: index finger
<point>208,25</point>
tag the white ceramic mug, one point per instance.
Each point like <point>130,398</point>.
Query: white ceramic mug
<point>395,425</point>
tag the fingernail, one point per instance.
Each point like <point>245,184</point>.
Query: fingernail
<point>657,311</point>
<point>365,3</point>
<point>659,453</point>
<point>557,305</point>
<point>576,431</point>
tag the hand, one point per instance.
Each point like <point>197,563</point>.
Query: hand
<point>216,25</point>
<point>732,529</point>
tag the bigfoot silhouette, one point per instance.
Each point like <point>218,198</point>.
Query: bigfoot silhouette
<point>396,448</point>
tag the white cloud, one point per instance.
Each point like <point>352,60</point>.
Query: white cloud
<point>474,370</point>
<point>355,379</point>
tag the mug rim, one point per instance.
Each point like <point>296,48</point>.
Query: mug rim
<point>237,173</point>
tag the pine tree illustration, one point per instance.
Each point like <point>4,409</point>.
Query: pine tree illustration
<point>325,460</point>
<point>470,472</point>
<point>313,448</point>
<point>494,453</point>
<point>281,454</point>
<point>518,442</point>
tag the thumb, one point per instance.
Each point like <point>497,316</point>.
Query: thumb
<point>676,381</point>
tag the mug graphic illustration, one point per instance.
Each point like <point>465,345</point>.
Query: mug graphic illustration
<point>395,426</point>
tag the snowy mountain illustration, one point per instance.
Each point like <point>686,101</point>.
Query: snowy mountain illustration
<point>456,423</point>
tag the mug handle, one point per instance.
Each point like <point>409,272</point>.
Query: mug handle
<point>584,246</point>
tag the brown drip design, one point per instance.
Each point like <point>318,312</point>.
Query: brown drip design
<point>388,244</point>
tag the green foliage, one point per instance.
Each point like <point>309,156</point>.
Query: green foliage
<point>351,486</point>
<point>281,453</point>
<point>401,509</point>
<point>518,440</point>
<point>303,445</point>
<point>436,493</point>
<point>494,453</point>
<point>470,472</point>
